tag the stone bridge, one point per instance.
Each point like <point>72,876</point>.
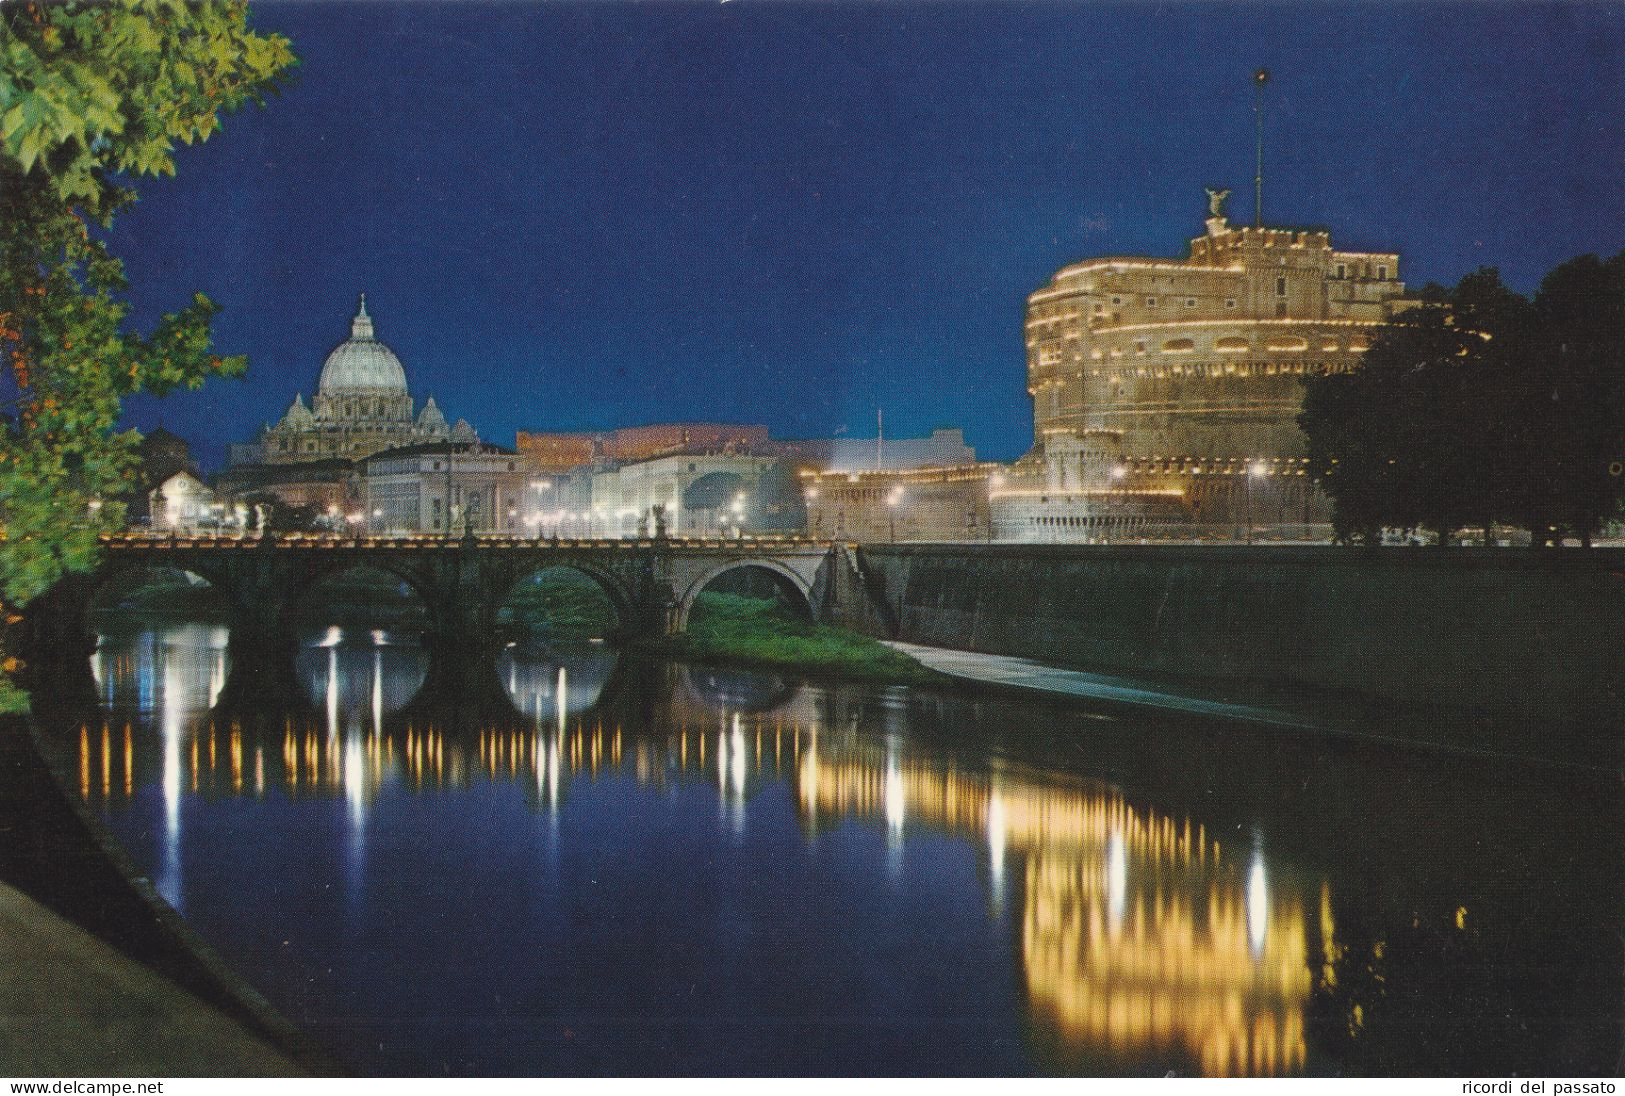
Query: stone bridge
<point>462,582</point>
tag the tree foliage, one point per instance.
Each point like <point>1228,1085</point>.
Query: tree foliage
<point>1479,407</point>
<point>92,95</point>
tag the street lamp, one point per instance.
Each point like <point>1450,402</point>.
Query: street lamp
<point>1118,473</point>
<point>893,500</point>
<point>1255,469</point>
<point>534,517</point>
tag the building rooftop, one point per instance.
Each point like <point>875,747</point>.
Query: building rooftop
<point>444,448</point>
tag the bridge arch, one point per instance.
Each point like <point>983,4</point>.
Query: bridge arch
<point>786,578</point>
<point>129,576</point>
<point>296,602</point>
<point>614,591</point>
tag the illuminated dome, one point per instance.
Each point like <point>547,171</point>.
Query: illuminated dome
<point>361,363</point>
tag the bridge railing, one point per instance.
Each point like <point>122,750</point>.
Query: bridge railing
<point>164,540</point>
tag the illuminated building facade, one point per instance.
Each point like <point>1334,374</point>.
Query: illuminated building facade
<point>362,406</point>
<point>564,452</point>
<point>1166,391</point>
<point>442,487</point>
<point>943,447</point>
<point>935,503</point>
<point>697,493</point>
<point>182,504</point>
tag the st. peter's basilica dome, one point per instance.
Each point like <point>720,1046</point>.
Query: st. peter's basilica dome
<point>362,364</point>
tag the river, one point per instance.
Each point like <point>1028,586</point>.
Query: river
<point>651,868</point>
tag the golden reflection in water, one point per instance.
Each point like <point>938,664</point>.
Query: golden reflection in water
<point>1138,935</point>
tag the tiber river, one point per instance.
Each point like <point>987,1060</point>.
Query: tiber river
<point>668,869</point>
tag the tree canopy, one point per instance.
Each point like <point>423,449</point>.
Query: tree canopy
<point>93,95</point>
<point>1479,407</point>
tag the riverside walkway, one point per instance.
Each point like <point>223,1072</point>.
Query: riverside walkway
<point>1024,673</point>
<point>72,1006</point>
<point>1344,717</point>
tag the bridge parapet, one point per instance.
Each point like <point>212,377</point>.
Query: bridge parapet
<point>463,582</point>
<point>339,541</point>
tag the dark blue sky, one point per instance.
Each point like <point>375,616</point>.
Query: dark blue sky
<point>583,216</point>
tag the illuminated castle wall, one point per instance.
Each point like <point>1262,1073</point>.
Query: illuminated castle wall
<point>1161,387</point>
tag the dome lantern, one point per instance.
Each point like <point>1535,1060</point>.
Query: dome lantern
<point>361,326</point>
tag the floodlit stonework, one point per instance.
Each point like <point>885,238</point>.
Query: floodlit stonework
<point>940,503</point>
<point>1166,391</point>
<point>361,407</point>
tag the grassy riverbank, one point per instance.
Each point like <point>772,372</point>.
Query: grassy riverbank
<point>559,604</point>
<point>757,631</point>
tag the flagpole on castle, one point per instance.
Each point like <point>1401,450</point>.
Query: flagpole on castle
<point>1260,78</point>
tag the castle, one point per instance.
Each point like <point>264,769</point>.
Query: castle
<point>1166,391</point>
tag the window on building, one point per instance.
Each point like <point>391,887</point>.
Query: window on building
<point>1230,302</point>
<point>1190,302</point>
<point>1382,273</point>
<point>1280,308</point>
<point>1342,270</point>
<point>1151,302</point>
<point>1117,300</point>
<point>1280,287</point>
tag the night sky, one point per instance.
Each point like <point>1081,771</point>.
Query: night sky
<point>584,216</point>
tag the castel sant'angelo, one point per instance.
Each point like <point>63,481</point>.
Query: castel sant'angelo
<point>1166,391</point>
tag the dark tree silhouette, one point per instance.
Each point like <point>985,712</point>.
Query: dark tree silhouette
<point>1478,407</point>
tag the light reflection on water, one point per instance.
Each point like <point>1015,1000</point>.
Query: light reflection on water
<point>1141,939</point>
<point>1136,932</point>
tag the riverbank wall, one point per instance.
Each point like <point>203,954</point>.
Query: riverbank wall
<point>1510,649</point>
<point>60,855</point>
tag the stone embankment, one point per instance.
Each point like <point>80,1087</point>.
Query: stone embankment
<point>102,977</point>
<point>1507,650</point>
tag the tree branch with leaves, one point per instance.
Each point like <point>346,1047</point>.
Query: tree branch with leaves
<point>92,96</point>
